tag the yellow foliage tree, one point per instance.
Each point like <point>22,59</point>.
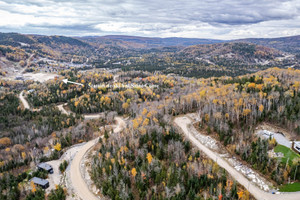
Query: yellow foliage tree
<point>240,194</point>
<point>272,141</point>
<point>125,106</point>
<point>5,141</point>
<point>57,147</point>
<point>149,158</point>
<point>206,117</point>
<point>33,187</point>
<point>23,155</point>
<point>296,85</point>
<point>144,111</point>
<point>202,93</point>
<point>46,149</point>
<point>259,86</point>
<point>146,122</point>
<point>285,174</point>
<point>135,123</point>
<point>215,168</point>
<point>246,112</point>
<point>251,85</point>
<point>93,90</point>
<point>261,108</point>
<point>133,172</point>
<point>227,115</point>
<point>107,155</point>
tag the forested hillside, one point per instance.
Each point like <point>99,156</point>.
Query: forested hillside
<point>229,108</point>
<point>138,163</point>
<point>288,44</point>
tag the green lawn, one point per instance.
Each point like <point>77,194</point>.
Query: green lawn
<point>288,153</point>
<point>294,187</point>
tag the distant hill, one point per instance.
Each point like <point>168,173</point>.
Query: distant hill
<point>185,56</point>
<point>16,39</point>
<point>285,44</point>
<point>54,41</point>
<point>148,42</point>
<point>234,53</point>
<point>288,44</point>
<point>108,42</point>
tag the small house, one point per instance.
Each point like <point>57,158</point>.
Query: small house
<point>19,78</point>
<point>40,182</point>
<point>45,167</point>
<point>296,146</point>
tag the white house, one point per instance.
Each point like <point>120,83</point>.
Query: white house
<point>296,146</point>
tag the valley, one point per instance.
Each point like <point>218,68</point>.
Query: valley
<point>221,122</point>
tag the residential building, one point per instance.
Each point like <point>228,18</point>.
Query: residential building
<point>40,182</point>
<point>46,167</point>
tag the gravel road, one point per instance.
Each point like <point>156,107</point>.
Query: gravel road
<point>259,194</point>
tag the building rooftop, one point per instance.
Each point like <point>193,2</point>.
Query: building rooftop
<point>45,166</point>
<point>297,143</point>
<point>39,181</point>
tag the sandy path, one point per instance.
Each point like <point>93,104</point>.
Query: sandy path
<point>259,194</point>
<point>93,116</point>
<point>86,116</point>
<point>62,109</point>
<point>80,187</point>
<point>24,101</point>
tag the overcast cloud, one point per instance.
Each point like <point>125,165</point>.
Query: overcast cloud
<point>227,19</point>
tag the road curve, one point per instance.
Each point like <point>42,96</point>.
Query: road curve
<point>79,185</point>
<point>24,101</point>
<point>77,181</point>
<point>61,108</point>
<point>86,116</point>
<point>259,194</point>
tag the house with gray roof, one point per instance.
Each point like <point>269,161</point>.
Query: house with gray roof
<point>296,146</point>
<point>45,167</point>
<point>40,182</point>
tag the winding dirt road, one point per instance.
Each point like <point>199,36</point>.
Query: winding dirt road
<point>259,194</point>
<point>77,181</point>
<point>24,101</point>
<point>61,108</point>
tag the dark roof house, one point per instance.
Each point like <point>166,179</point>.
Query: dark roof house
<point>40,182</point>
<point>46,167</point>
<point>296,146</point>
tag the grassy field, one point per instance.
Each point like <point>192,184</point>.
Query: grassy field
<point>290,187</point>
<point>288,153</point>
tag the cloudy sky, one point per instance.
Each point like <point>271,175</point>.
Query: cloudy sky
<point>220,19</point>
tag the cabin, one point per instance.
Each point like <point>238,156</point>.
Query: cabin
<point>19,78</point>
<point>296,146</point>
<point>40,182</point>
<point>45,167</point>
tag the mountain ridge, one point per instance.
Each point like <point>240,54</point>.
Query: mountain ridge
<point>289,44</point>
